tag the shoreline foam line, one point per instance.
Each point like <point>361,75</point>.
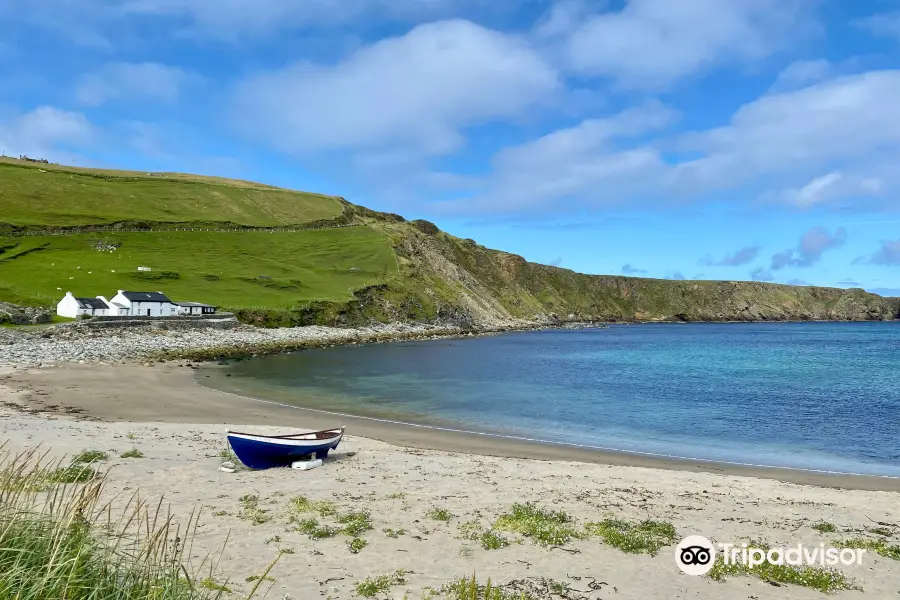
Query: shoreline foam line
<point>549,442</point>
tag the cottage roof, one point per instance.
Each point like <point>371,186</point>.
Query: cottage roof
<point>187,304</point>
<point>91,303</point>
<point>146,297</point>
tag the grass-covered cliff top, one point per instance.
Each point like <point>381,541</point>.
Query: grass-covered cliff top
<point>37,194</point>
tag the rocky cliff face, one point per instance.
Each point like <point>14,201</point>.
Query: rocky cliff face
<point>448,279</point>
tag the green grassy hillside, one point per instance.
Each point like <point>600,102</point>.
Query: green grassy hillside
<point>233,269</point>
<point>376,266</point>
<point>40,195</point>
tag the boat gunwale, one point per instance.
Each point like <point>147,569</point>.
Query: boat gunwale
<point>337,432</point>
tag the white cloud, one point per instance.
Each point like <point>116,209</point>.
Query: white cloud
<point>850,120</point>
<point>585,164</point>
<point>44,132</point>
<point>129,81</point>
<point>810,147</point>
<point>885,24</point>
<point>801,74</point>
<point>415,92</point>
<point>827,189</point>
<point>653,43</point>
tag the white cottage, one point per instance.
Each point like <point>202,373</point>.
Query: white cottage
<point>73,307</point>
<point>194,308</point>
<point>145,304</point>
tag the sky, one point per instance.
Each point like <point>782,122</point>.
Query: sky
<point>690,139</point>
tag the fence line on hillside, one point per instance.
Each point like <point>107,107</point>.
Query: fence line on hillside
<point>83,230</point>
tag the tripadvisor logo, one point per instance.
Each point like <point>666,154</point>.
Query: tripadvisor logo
<point>696,555</point>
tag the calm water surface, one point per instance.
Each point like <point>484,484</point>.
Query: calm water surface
<point>805,395</point>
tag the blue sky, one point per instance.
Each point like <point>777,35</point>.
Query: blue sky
<point>709,139</point>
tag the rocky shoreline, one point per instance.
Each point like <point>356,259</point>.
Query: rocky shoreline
<point>226,338</point>
<point>83,343</point>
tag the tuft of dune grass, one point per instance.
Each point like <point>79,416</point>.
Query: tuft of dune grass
<point>58,541</point>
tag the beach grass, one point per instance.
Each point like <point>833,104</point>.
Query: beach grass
<point>380,584</point>
<point>491,540</point>
<point>61,542</point>
<point>314,530</point>
<point>89,456</point>
<point>469,589</point>
<point>825,527</point>
<point>823,579</point>
<point>440,514</point>
<point>251,511</point>
<point>227,454</point>
<point>545,527</point>
<point>356,545</point>
<point>645,537</point>
<point>302,504</point>
<point>393,533</point>
<point>352,523</point>
<point>878,546</point>
<point>133,453</point>
<point>355,522</point>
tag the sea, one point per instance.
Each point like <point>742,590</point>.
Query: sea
<point>817,396</point>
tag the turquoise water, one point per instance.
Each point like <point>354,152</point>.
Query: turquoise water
<point>822,396</point>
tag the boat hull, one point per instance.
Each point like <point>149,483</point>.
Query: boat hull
<point>264,452</point>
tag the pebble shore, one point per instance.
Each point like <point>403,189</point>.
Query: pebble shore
<point>62,344</point>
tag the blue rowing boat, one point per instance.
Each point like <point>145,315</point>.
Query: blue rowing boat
<point>266,451</point>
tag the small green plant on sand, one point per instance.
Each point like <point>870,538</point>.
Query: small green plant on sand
<point>470,530</point>
<point>470,589</point>
<point>883,531</point>
<point>356,545</point>
<point>302,504</point>
<point>491,540</point>
<point>250,510</point>
<point>440,514</point>
<point>311,528</point>
<point>74,473</point>
<point>381,584</point>
<point>545,527</point>
<point>881,547</point>
<point>133,453</point>
<point>819,578</point>
<point>393,533</point>
<point>211,584</point>
<point>89,456</point>
<point>825,527</point>
<point>227,454</point>
<point>646,537</point>
<point>356,522</point>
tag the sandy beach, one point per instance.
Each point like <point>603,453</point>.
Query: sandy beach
<point>402,474</point>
